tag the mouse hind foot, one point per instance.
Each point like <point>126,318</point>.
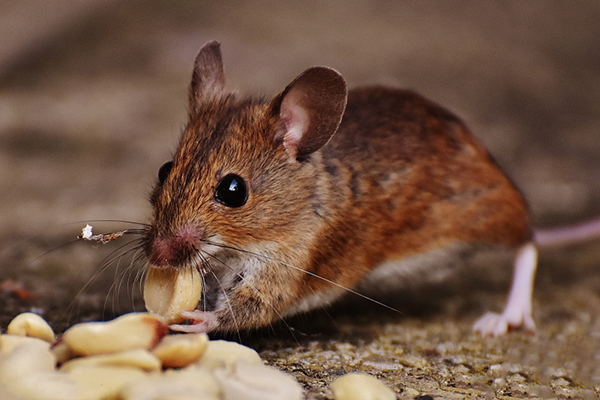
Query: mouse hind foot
<point>517,313</point>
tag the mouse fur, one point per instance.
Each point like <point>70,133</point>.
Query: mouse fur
<point>338,184</point>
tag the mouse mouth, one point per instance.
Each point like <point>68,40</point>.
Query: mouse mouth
<point>173,248</point>
<point>170,291</point>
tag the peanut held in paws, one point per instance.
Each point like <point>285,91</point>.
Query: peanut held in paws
<point>170,291</point>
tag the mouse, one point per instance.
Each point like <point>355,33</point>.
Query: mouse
<point>285,204</point>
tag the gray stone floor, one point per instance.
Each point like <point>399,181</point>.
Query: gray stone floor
<point>93,99</point>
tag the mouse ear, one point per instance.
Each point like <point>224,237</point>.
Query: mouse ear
<point>311,109</point>
<point>208,79</point>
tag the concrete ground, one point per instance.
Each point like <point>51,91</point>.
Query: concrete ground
<point>93,99</point>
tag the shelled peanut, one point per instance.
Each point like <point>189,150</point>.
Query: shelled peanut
<point>132,358</point>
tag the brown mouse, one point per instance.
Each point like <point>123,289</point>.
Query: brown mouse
<point>284,204</point>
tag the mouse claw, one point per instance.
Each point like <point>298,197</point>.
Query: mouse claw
<point>200,322</point>
<point>492,324</point>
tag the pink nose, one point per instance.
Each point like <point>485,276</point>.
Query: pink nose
<point>175,249</point>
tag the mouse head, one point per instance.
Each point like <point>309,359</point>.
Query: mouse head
<point>242,173</point>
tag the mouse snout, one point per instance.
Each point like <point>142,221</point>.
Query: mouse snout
<point>173,249</point>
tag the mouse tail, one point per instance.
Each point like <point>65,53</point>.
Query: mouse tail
<point>568,234</point>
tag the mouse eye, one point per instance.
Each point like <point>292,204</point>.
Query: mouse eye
<point>163,172</point>
<point>231,191</point>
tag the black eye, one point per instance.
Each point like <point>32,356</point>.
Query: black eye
<point>231,191</point>
<point>163,172</point>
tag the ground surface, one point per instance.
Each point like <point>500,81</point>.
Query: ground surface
<point>93,98</point>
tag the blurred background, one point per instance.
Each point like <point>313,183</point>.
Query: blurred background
<point>93,97</point>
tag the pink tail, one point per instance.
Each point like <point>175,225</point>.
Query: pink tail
<point>568,234</point>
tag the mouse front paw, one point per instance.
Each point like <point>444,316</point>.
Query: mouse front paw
<point>493,324</point>
<point>199,322</point>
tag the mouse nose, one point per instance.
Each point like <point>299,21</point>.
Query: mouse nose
<point>175,249</point>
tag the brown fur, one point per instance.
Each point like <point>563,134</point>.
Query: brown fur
<point>406,176</point>
<point>401,176</point>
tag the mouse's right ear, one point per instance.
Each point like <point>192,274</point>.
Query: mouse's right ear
<point>208,79</point>
<point>310,109</point>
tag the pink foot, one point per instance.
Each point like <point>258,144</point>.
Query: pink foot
<point>493,324</point>
<point>517,314</point>
<point>200,322</point>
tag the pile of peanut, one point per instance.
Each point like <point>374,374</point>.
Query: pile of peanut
<point>131,357</point>
<point>134,358</point>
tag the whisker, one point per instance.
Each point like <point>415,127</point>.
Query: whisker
<point>243,278</point>
<point>113,256</point>
<point>347,289</point>
<point>140,272</point>
<point>115,285</point>
<point>141,275</point>
<point>122,221</point>
<point>237,328</point>
<point>103,266</point>
<point>200,268</point>
<point>125,276</point>
<point>134,231</point>
<point>54,249</point>
<point>136,272</point>
<point>121,278</point>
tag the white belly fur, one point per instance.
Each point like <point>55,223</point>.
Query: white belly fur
<point>395,275</point>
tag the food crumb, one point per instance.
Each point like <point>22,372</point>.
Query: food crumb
<point>86,234</point>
